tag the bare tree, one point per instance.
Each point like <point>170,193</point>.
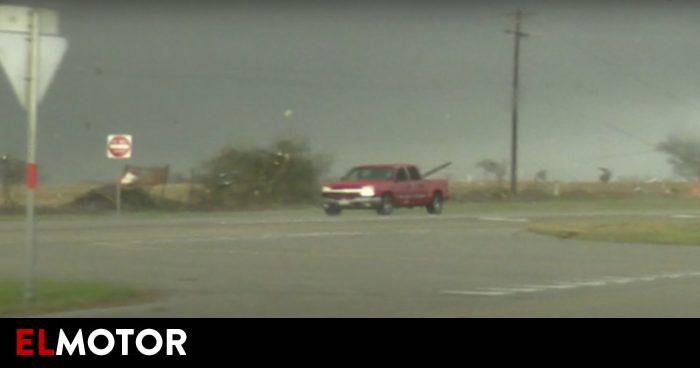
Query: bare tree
<point>493,167</point>
<point>684,156</point>
<point>541,176</point>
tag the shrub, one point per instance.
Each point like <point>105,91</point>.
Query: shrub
<point>285,173</point>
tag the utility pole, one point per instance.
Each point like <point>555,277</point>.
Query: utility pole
<point>517,35</point>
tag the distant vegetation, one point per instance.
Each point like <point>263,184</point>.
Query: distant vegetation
<point>11,173</point>
<point>284,173</point>
<point>541,176</point>
<point>288,173</point>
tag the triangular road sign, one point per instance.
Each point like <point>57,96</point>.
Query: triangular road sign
<point>14,54</point>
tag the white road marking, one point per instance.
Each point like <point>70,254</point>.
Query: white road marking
<point>504,219</point>
<point>594,283</point>
<point>311,235</point>
<point>527,289</point>
<point>229,238</point>
<point>681,216</point>
<point>482,293</point>
<point>620,280</point>
<point>602,282</point>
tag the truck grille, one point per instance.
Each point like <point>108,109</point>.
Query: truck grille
<point>340,195</point>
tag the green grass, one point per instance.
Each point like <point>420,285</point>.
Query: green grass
<point>667,231</point>
<point>54,296</point>
<point>579,205</point>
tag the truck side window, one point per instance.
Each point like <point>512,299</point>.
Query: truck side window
<point>401,175</point>
<point>413,173</point>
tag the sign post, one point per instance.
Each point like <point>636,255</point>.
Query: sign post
<point>119,148</point>
<point>30,65</point>
<point>29,292</point>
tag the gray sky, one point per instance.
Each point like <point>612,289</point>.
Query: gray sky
<point>602,82</point>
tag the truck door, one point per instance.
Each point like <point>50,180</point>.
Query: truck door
<point>402,188</point>
<point>418,190</point>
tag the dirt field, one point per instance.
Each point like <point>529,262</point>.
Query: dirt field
<point>57,195</point>
<point>460,191</point>
<point>534,191</point>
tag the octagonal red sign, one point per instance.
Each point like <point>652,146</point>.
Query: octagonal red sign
<point>119,146</point>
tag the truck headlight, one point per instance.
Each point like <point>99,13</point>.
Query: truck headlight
<point>325,189</point>
<point>367,191</point>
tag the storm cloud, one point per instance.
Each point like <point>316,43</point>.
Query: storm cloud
<point>602,82</point>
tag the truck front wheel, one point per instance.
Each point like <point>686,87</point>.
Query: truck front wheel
<point>333,210</point>
<point>386,205</point>
<point>435,206</point>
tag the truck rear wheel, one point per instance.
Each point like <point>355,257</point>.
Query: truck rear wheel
<point>386,206</point>
<point>435,206</point>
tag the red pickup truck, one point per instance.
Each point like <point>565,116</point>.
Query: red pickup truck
<point>384,187</point>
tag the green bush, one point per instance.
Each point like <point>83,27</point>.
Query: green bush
<point>285,173</point>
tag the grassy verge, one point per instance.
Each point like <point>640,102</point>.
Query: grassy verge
<point>579,205</point>
<point>667,231</point>
<point>55,296</point>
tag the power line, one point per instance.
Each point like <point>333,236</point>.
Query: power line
<point>334,81</point>
<point>588,160</point>
<point>628,135</point>
<point>606,124</point>
<point>623,70</point>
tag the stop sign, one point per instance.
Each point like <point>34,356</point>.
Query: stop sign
<point>119,146</point>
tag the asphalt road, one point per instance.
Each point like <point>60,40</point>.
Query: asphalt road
<point>305,264</point>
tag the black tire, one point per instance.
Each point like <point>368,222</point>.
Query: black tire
<point>435,206</point>
<point>386,205</point>
<point>333,210</point>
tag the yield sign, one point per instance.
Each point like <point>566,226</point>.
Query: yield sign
<point>14,57</point>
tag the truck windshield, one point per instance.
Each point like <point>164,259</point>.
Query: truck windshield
<point>371,173</point>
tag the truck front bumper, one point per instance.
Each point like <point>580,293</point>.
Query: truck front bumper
<point>357,202</point>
